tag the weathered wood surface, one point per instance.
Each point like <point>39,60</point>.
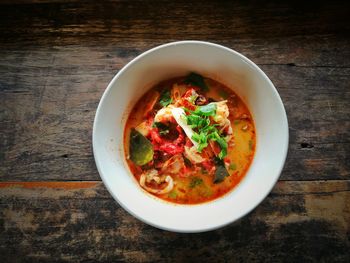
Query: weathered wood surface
<point>57,57</point>
<point>79,221</point>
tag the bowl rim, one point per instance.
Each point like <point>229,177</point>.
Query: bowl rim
<point>185,42</point>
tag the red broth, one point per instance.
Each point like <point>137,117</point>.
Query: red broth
<point>196,175</point>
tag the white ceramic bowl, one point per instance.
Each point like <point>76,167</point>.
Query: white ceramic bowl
<point>177,59</point>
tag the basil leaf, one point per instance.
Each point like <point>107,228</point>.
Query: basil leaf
<point>165,98</point>
<point>196,80</point>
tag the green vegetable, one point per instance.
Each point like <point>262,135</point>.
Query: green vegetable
<point>141,149</point>
<point>236,122</point>
<point>232,166</point>
<point>202,139</point>
<point>220,172</point>
<point>163,129</point>
<point>165,98</point>
<point>206,110</point>
<point>195,181</point>
<point>221,141</point>
<point>199,121</point>
<point>196,80</point>
<point>172,195</point>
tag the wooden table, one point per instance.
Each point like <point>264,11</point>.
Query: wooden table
<point>56,59</point>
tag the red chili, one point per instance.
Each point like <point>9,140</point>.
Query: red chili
<point>208,165</point>
<point>171,148</point>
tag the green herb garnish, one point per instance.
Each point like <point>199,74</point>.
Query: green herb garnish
<point>236,122</point>
<point>196,80</point>
<point>206,110</point>
<point>165,98</point>
<point>195,181</point>
<point>199,121</point>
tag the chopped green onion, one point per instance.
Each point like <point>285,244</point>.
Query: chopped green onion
<point>165,98</point>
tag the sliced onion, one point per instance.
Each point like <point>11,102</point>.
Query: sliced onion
<point>179,116</point>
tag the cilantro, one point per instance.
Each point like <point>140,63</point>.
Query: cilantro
<point>236,122</point>
<point>196,181</point>
<point>196,80</point>
<point>165,98</point>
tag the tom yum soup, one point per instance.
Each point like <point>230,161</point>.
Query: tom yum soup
<point>189,140</point>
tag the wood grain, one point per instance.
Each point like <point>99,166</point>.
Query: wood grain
<point>48,108</point>
<point>57,57</point>
<point>299,221</point>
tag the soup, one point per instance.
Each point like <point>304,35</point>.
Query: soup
<point>189,140</point>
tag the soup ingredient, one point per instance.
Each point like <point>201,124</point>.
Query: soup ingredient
<point>196,181</point>
<point>165,98</point>
<point>220,172</point>
<point>184,148</point>
<point>152,175</point>
<point>205,129</point>
<point>141,149</point>
<point>180,116</point>
<point>196,80</point>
